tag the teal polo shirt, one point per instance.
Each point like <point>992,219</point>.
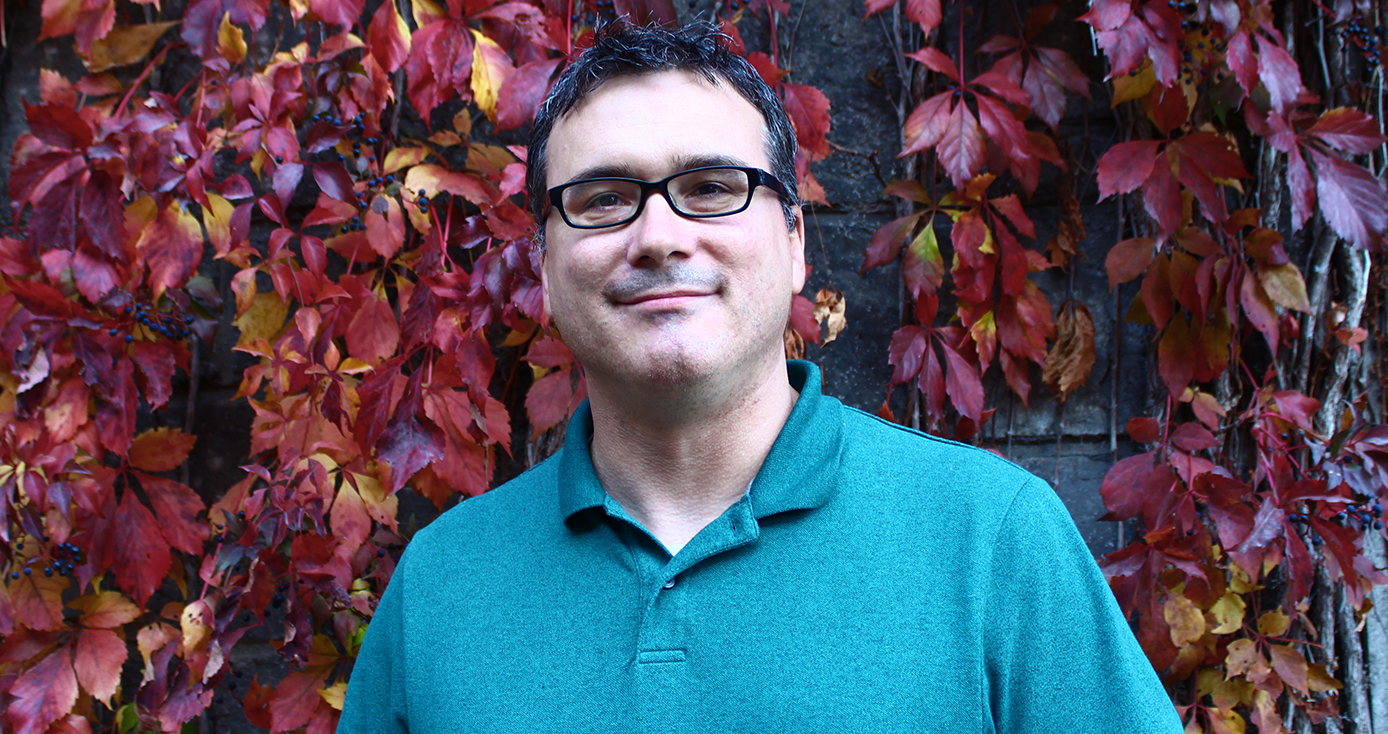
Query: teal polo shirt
<point>872,579</point>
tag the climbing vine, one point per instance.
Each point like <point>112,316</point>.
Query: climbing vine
<point>354,169</point>
<point>1258,499</point>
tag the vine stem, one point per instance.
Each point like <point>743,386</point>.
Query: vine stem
<point>149,68</point>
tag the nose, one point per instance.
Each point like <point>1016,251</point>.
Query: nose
<point>657,234</point>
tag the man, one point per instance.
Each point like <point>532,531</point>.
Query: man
<point>719,547</point>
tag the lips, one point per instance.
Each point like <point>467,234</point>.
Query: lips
<point>664,296</point>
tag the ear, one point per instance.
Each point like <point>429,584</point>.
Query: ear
<point>544,281</point>
<point>798,272</point>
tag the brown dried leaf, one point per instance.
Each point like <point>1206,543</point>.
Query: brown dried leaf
<point>829,306</point>
<point>1071,359</point>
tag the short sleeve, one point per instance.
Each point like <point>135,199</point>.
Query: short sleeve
<point>375,701</point>
<point>1058,654</point>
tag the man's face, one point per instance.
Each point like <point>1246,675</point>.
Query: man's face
<point>665,299</point>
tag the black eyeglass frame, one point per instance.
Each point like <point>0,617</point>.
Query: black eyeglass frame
<point>755,177</point>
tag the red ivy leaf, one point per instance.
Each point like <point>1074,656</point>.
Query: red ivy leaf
<point>961,150</point>
<point>963,384</point>
<point>97,660</point>
<point>1128,259</point>
<point>1279,74</point>
<point>924,13</point>
<point>141,554</point>
<point>1349,130</point>
<point>887,240</point>
<point>172,248</point>
<point>809,112</point>
<point>547,403</point>
<point>42,693</point>
<point>1352,200</point>
<point>909,343</point>
<point>177,508</point>
<point>1125,166</point>
<point>937,61</point>
<point>522,93</point>
<point>926,126</point>
<point>389,37</point>
<point>1122,488</point>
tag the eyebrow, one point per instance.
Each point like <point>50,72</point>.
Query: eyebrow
<point>682,163</point>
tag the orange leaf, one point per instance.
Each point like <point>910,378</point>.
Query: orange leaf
<point>38,601</point>
<point>161,449</point>
<point>172,248</point>
<point>97,660</point>
<point>373,334</point>
<point>124,45</point>
<point>105,610</point>
<point>1290,666</point>
<point>385,230</point>
<point>348,519</point>
<point>1128,259</point>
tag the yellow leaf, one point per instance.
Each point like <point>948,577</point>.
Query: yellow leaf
<point>1320,680</point>
<point>490,67</point>
<point>334,694</point>
<point>1228,613</point>
<point>1274,623</point>
<point>426,12</point>
<point>399,158</point>
<point>195,623</point>
<point>124,45</point>
<point>263,320</point>
<point>1284,285</point>
<point>1230,693</point>
<point>1186,622</point>
<point>445,139</point>
<point>231,43</point>
<point>1127,88</point>
<point>1223,721</point>
<point>1239,582</point>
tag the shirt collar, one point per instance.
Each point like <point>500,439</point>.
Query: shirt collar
<point>799,473</point>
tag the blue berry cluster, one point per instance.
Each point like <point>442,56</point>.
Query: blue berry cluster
<point>64,558</point>
<point>166,325</point>
<point>1367,39</point>
<point>1366,516</point>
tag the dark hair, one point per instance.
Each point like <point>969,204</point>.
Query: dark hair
<point>621,49</point>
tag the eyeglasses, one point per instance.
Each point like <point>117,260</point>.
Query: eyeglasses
<point>699,193</point>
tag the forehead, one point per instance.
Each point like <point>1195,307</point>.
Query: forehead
<point>651,125</point>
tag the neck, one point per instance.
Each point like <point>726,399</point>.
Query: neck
<point>676,459</point>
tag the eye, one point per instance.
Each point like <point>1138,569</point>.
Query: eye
<point>604,200</point>
<point>710,188</point>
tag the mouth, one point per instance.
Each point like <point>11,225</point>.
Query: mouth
<point>664,297</point>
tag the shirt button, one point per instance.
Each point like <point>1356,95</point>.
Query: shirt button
<point>669,584</point>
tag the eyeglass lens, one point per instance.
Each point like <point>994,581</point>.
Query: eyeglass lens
<point>701,193</point>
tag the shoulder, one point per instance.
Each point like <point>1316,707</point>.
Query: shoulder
<point>498,517</point>
<point>873,447</point>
